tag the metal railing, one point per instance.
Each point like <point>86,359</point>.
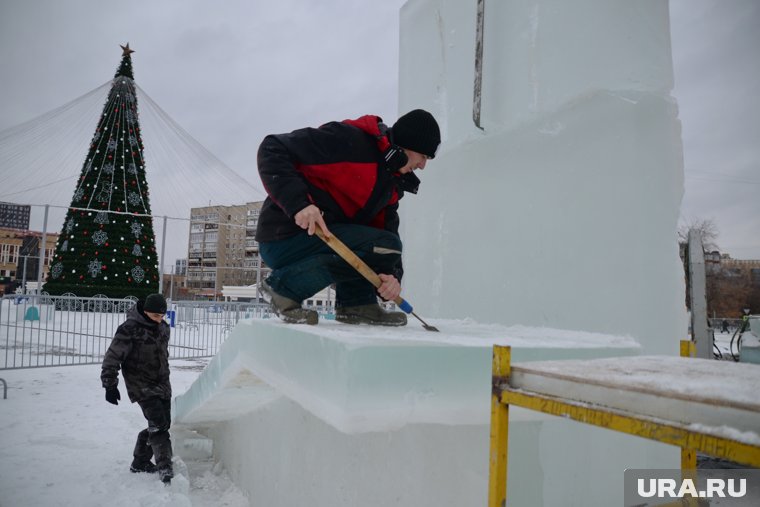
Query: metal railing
<point>41,330</point>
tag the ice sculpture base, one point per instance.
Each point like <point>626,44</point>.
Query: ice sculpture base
<point>336,415</point>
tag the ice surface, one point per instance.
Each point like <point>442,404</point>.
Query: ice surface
<point>361,379</point>
<point>563,211</point>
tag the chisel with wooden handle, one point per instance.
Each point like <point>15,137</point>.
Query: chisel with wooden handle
<point>359,265</point>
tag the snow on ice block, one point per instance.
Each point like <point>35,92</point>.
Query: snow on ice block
<point>360,378</point>
<point>718,396</point>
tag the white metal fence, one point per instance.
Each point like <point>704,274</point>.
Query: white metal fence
<point>46,330</point>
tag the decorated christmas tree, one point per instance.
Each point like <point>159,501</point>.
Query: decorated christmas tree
<point>107,244</point>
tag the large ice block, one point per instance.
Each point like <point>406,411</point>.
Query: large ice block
<point>563,211</point>
<point>538,57</point>
<point>338,416</point>
<point>569,223</point>
<point>361,379</point>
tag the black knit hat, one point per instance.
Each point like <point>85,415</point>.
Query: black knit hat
<point>155,303</point>
<point>417,131</point>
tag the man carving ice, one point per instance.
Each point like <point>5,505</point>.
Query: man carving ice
<point>345,178</point>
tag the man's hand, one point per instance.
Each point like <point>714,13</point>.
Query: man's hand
<point>309,218</point>
<point>390,288</point>
<point>113,395</point>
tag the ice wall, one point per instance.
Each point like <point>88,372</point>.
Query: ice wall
<point>562,211</point>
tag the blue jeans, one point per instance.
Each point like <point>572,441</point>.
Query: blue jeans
<point>303,265</point>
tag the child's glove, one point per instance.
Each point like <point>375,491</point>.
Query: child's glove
<point>112,395</point>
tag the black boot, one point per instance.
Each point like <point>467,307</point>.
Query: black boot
<point>371,314</point>
<point>289,310</point>
<point>142,455</point>
<point>166,475</point>
<point>162,450</point>
<point>142,467</point>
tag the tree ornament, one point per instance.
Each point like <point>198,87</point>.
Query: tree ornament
<point>105,192</point>
<point>94,267</point>
<point>100,238</point>
<point>138,274</point>
<point>134,198</point>
<point>101,218</point>
<point>56,270</point>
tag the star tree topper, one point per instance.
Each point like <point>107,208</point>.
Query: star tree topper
<point>125,50</point>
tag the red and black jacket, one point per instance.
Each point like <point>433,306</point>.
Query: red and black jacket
<point>341,168</point>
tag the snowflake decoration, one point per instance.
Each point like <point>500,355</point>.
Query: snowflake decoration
<point>138,274</point>
<point>137,251</point>
<point>101,217</point>
<point>132,168</point>
<point>70,225</point>
<point>134,198</point>
<point>56,270</point>
<point>111,145</point>
<point>132,140</point>
<point>136,229</point>
<point>108,168</point>
<point>78,194</point>
<point>94,268</point>
<point>99,238</point>
<point>130,116</point>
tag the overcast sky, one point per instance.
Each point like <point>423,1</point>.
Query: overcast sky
<point>232,71</point>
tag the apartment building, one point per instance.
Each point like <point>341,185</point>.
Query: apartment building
<point>14,216</point>
<point>19,252</point>
<point>222,250</point>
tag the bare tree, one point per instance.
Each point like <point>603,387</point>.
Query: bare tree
<point>707,229</point>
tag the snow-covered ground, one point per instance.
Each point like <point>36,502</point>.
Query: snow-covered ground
<point>62,444</point>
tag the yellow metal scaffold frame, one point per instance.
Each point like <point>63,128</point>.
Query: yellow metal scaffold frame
<point>690,441</point>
